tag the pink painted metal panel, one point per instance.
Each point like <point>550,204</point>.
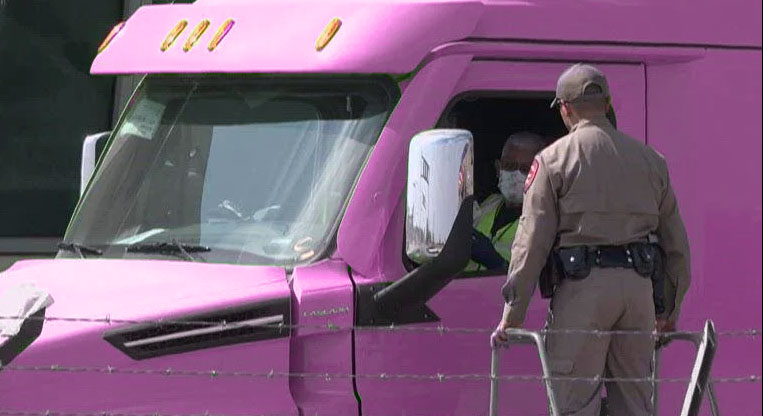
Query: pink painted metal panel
<point>323,296</point>
<point>714,22</point>
<point>381,184</point>
<point>560,52</point>
<point>464,303</point>
<point>703,113</point>
<point>393,37</point>
<point>95,392</point>
<point>144,291</point>
<point>474,302</point>
<point>271,37</point>
<point>359,246</point>
<point>704,116</point>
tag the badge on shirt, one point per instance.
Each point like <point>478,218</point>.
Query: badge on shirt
<point>531,174</point>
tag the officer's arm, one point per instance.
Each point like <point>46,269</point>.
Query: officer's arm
<point>534,239</point>
<point>675,243</point>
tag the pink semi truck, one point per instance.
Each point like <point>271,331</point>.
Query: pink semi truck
<point>247,244</point>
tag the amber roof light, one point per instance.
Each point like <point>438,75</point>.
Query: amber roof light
<point>173,35</point>
<point>221,33</point>
<point>195,35</point>
<point>328,34</point>
<point>114,31</point>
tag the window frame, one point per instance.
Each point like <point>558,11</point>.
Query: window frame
<point>477,94</point>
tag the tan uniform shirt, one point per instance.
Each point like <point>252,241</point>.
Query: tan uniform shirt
<point>596,186</point>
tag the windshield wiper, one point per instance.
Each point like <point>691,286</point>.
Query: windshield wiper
<point>80,249</point>
<point>169,247</point>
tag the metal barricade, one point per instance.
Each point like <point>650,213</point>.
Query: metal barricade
<point>699,383</point>
<point>521,336</point>
<point>705,343</point>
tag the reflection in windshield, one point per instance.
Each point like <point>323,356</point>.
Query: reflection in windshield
<point>257,169</point>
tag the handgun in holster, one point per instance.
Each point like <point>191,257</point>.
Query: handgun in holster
<point>550,276</point>
<point>658,277</point>
<point>649,261</point>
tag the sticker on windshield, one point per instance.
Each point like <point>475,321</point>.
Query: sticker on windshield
<point>144,119</point>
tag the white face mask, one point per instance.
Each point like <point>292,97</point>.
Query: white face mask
<point>512,184</point>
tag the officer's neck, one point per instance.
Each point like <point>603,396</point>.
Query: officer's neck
<point>578,121</point>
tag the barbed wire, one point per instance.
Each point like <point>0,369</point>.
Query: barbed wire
<point>109,413</point>
<point>752,332</point>
<point>272,374</point>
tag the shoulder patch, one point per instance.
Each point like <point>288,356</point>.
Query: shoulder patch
<point>531,174</point>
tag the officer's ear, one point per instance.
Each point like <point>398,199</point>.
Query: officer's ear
<point>564,109</point>
<point>497,165</point>
<point>570,112</point>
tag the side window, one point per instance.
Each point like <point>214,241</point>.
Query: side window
<point>499,172</point>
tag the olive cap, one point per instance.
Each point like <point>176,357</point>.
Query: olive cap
<point>575,82</point>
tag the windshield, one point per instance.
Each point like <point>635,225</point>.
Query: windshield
<point>250,170</point>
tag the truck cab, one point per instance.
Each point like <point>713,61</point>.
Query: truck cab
<point>228,254</point>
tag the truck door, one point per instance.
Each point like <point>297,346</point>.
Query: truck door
<point>441,367</point>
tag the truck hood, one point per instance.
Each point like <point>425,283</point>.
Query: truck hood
<point>115,290</point>
<point>100,306</point>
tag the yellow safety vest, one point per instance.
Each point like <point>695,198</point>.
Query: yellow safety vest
<point>502,239</point>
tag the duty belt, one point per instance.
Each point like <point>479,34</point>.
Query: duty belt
<point>575,263</point>
<point>610,256</point>
<point>578,260</point>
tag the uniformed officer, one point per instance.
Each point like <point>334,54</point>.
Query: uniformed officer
<point>597,192</point>
<point>496,219</point>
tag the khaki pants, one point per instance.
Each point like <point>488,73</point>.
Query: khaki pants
<point>608,299</point>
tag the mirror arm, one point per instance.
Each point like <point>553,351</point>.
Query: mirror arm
<point>424,282</point>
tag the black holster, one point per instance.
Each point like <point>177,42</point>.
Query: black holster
<point>649,261</point>
<point>658,281</point>
<point>550,276</point>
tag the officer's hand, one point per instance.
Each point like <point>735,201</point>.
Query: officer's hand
<point>484,253</point>
<point>662,326</point>
<point>499,334</point>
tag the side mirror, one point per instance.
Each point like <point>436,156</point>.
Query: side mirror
<point>438,221</point>
<point>440,166</point>
<point>89,158</point>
